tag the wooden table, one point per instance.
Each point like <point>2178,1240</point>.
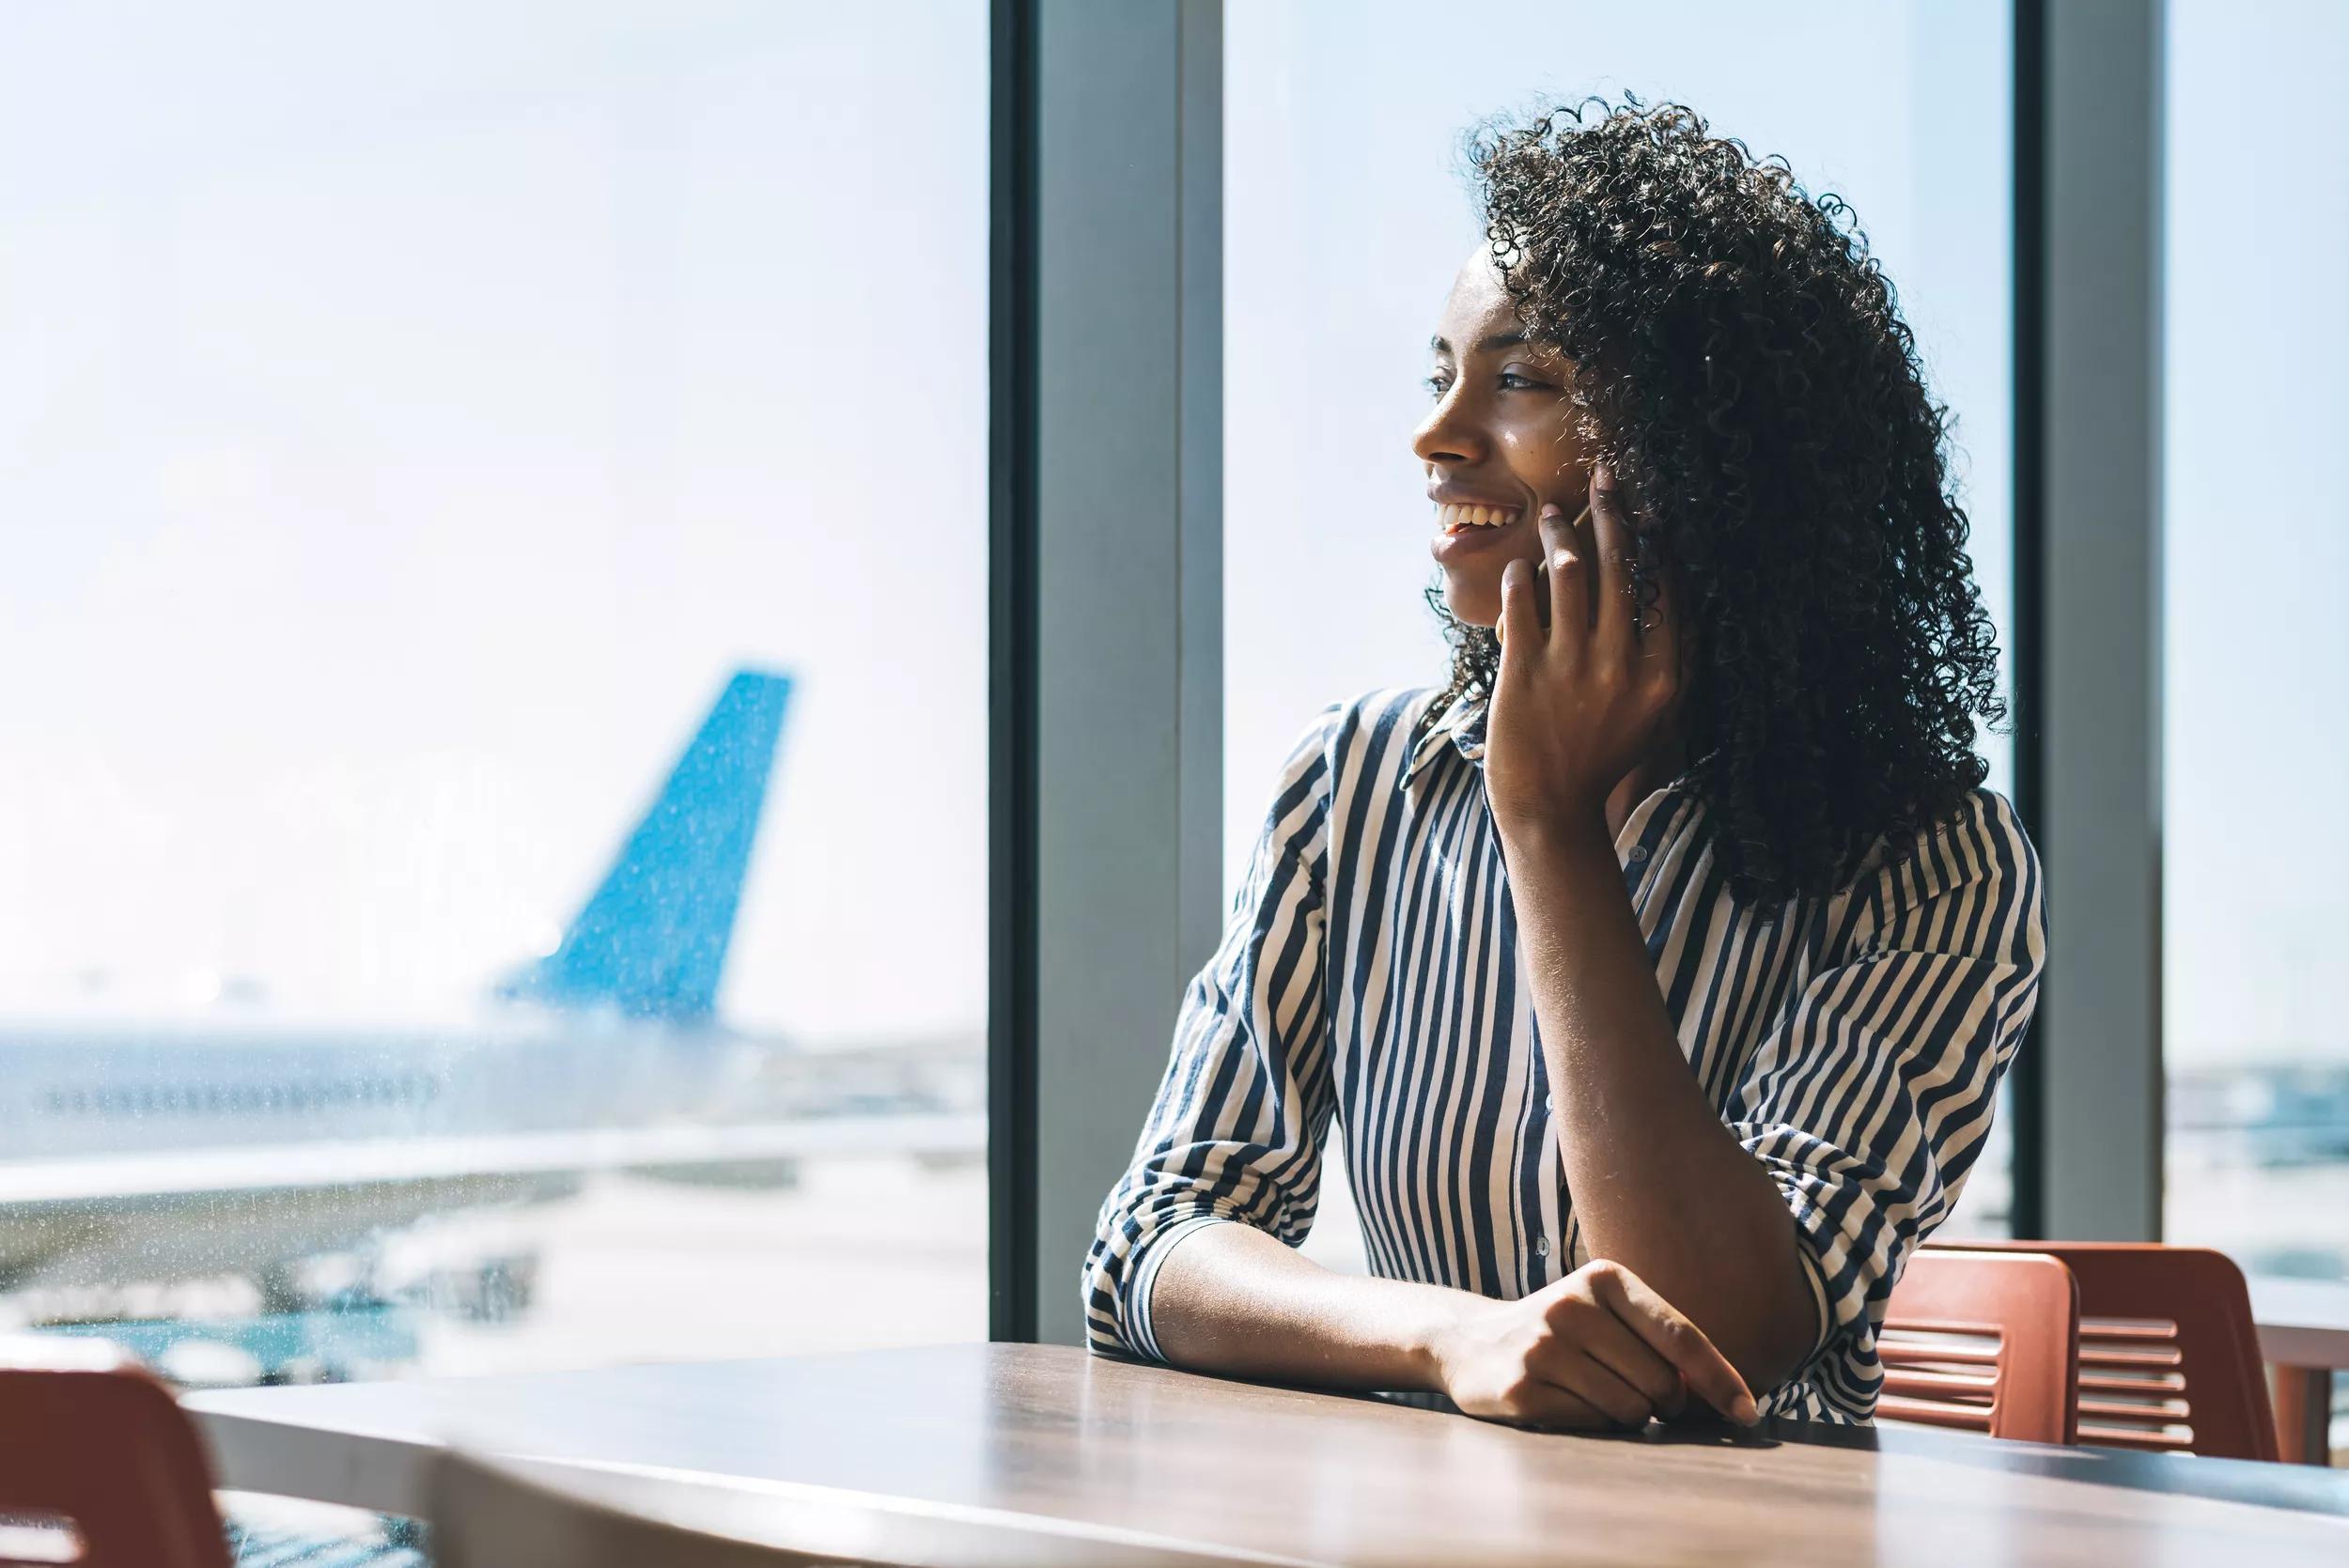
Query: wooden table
<point>2304,1333</point>
<point>1141,1464</point>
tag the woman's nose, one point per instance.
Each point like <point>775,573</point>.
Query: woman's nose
<point>1446,437</point>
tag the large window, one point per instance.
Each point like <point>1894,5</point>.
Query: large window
<point>496,624</point>
<point>2255,660</point>
<point>1345,217</point>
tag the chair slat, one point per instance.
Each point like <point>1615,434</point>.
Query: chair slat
<point>2166,1411</point>
<point>1935,1384</point>
<point>1903,1350</point>
<point>2101,1356</point>
<point>1930,1413</point>
<point>2126,1438</point>
<point>2128,1328</point>
<point>2117,1383</point>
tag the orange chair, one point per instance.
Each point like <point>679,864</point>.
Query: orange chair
<point>1983,1341</point>
<point>93,1443</point>
<point>2170,1359</point>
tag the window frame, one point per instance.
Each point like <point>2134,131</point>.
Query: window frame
<point>2088,552</point>
<point>1106,643</point>
<point>1107,631</point>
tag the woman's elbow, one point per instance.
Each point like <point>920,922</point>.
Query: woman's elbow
<point>1768,1330</point>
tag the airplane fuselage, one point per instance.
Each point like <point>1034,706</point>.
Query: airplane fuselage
<point>79,1091</point>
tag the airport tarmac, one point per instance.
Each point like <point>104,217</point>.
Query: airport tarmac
<point>860,1253</point>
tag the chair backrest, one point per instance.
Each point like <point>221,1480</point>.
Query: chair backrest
<point>2169,1356</point>
<point>91,1443</point>
<point>488,1514</point>
<point>1983,1341</point>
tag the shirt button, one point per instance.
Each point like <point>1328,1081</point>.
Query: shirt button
<point>1549,1103</point>
<point>1638,853</point>
<point>1541,1247</point>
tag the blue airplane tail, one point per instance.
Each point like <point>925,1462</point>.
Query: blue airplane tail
<point>652,941</point>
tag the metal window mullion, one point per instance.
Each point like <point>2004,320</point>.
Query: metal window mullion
<point>1107,874</point>
<point>2096,634</point>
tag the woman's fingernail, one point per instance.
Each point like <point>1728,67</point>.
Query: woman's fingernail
<point>1551,509</point>
<point>1747,1412</point>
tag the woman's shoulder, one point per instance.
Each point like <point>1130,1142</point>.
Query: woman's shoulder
<point>1348,730</point>
<point>1393,711</point>
<point>1978,839</point>
<point>1977,851</point>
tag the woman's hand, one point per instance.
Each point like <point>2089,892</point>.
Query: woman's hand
<point>1577,702</point>
<point>1596,1348</point>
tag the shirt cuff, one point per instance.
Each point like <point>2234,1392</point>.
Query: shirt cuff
<point>1140,1333</point>
<point>1833,1219</point>
<point>1815,1275</point>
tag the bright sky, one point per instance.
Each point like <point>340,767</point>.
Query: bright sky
<point>2256,665</point>
<point>408,416</point>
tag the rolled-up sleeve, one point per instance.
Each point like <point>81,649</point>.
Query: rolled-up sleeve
<point>1869,1104</point>
<point>1235,1133</point>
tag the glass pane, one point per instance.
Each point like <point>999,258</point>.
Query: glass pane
<point>451,916</point>
<point>2255,662</point>
<point>1343,231</point>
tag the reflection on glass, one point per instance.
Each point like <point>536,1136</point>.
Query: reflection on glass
<point>1344,227</point>
<point>498,635</point>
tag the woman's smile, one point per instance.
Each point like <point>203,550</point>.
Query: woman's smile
<point>1454,515</point>
<point>1459,533</point>
<point>1469,524</point>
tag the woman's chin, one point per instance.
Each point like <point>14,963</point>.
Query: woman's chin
<point>1473,603</point>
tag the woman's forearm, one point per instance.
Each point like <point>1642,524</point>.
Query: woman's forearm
<point>1231,1298</point>
<point>1659,1182</point>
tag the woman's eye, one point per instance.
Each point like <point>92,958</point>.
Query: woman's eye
<point>1509,381</point>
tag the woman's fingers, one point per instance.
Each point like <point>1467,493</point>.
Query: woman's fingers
<point>1540,1402</point>
<point>1519,579</point>
<point>1567,566</point>
<point>1613,1346</point>
<point>1666,1328</point>
<point>1611,546</point>
<point>1600,1385</point>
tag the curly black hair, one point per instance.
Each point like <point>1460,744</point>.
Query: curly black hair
<point>1740,361</point>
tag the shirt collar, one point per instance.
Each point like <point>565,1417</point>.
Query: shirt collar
<point>1462,724</point>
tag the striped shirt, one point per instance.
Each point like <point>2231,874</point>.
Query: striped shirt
<point>1367,987</point>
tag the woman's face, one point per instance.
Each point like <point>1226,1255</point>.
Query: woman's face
<point>1499,442</point>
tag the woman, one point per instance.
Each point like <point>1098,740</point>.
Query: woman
<point>1659,970</point>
